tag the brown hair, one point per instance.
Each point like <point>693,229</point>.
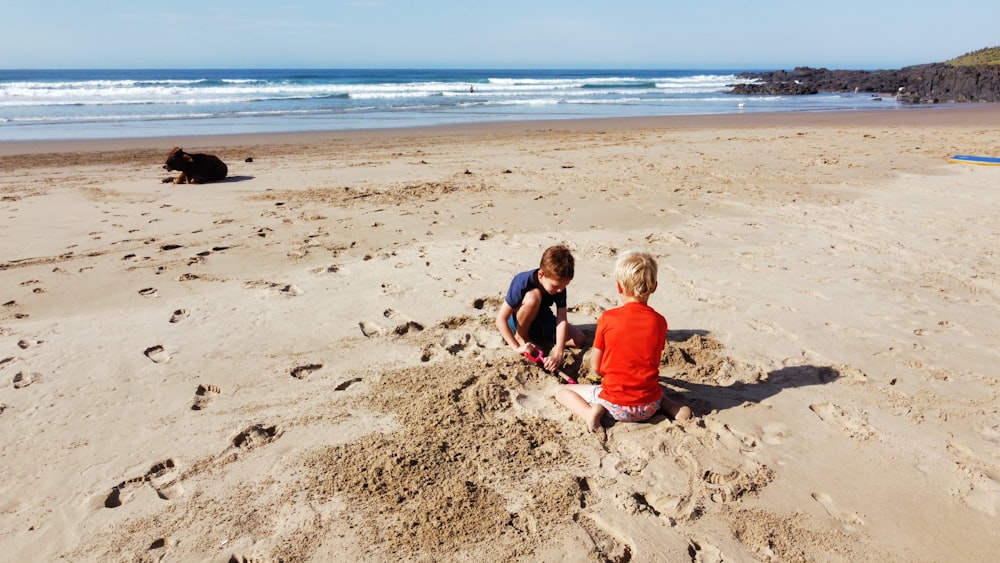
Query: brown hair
<point>557,263</point>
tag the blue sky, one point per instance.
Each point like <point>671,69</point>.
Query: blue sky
<point>719,34</point>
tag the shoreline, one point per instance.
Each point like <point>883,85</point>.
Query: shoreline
<point>960,115</point>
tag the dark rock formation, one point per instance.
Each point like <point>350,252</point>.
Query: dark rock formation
<point>774,89</point>
<point>921,84</point>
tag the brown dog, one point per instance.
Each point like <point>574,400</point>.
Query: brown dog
<point>195,168</point>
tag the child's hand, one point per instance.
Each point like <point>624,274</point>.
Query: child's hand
<point>554,360</point>
<point>528,349</point>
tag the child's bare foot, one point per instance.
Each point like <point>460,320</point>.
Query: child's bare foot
<point>675,410</point>
<point>683,414</point>
<point>593,418</point>
<point>569,396</point>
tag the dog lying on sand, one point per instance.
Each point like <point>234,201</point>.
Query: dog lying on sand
<point>195,168</point>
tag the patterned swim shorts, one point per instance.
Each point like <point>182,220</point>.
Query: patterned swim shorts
<point>636,413</point>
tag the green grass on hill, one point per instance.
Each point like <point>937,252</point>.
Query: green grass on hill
<point>987,56</point>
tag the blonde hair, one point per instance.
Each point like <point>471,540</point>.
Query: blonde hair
<point>635,272</point>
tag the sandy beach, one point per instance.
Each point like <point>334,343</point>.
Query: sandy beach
<point>300,363</point>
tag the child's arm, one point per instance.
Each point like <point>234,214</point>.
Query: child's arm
<point>595,361</point>
<point>556,354</point>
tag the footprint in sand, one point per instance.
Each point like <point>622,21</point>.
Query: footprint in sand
<point>302,372</point>
<point>716,478</point>
<point>255,436</point>
<point>149,292</point>
<point>531,401</point>
<point>292,290</point>
<point>331,269</point>
<point>343,386</point>
<point>733,439</point>
<point>165,478</point>
<point>731,486</point>
<point>428,353</point>
<point>123,492</point>
<point>25,343</point>
<point>157,551</point>
<point>486,303</point>
<point>406,327</point>
<point>702,552</point>
<point>458,343</point>
<point>288,290</point>
<point>179,315</point>
<point>850,372</point>
<point>25,378</point>
<point>770,328</point>
<point>848,520</point>
<point>855,426</point>
<point>774,433</point>
<point>371,329</point>
<point>157,354</point>
<point>204,396</point>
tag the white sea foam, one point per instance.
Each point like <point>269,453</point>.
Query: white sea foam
<point>130,92</point>
<point>83,104</point>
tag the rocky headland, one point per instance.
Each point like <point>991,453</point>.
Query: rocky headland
<point>921,84</point>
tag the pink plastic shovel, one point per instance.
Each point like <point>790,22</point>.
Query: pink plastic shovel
<point>539,360</point>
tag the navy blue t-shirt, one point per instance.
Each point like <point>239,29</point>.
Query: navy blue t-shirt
<point>525,282</point>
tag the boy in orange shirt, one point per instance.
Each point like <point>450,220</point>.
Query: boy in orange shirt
<point>627,349</point>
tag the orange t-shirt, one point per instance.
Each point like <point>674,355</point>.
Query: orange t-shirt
<point>631,339</point>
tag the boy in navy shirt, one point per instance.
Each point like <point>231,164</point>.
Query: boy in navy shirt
<point>526,320</point>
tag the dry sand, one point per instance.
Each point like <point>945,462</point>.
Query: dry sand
<point>300,363</point>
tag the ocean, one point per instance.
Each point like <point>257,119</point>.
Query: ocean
<point>95,104</point>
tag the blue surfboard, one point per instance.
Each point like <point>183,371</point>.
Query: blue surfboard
<point>968,159</point>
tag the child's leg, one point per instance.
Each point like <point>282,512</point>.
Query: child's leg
<point>675,410</point>
<point>572,397</point>
<point>527,313</point>
<point>574,336</point>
